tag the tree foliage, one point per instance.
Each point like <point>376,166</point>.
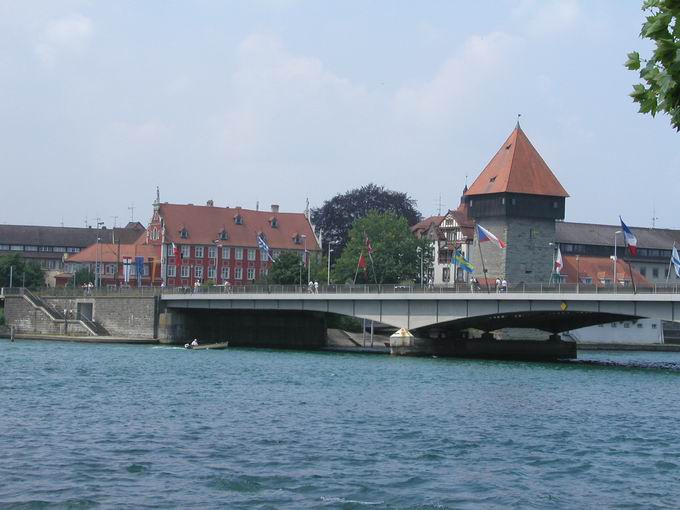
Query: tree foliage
<point>28,272</point>
<point>338,214</point>
<point>660,91</point>
<point>290,270</point>
<point>83,275</point>
<point>394,259</point>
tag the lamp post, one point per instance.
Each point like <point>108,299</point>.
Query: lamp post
<point>329,262</point>
<point>578,273</point>
<point>419,251</point>
<point>309,267</point>
<point>97,264</point>
<point>615,259</point>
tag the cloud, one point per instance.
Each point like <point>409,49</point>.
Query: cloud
<point>462,80</point>
<point>543,18</point>
<point>68,34</point>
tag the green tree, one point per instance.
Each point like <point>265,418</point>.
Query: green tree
<point>28,272</point>
<point>288,269</point>
<point>661,72</point>
<point>338,214</point>
<point>83,275</point>
<point>394,259</point>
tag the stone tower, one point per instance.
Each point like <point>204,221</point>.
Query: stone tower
<point>518,199</point>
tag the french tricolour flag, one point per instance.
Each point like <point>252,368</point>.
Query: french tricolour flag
<point>629,238</point>
<point>484,235</point>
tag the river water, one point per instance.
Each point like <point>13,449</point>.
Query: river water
<point>115,426</point>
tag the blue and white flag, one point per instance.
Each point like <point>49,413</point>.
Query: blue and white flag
<point>675,259</point>
<point>264,247</point>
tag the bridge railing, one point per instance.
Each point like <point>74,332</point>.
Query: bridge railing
<point>462,288</point>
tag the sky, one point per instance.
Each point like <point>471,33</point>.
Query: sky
<point>280,101</point>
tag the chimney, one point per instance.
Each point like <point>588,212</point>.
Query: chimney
<point>275,208</point>
<point>210,203</point>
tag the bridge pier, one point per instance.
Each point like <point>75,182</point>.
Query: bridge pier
<point>485,347</point>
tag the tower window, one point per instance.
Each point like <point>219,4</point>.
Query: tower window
<point>493,179</point>
<point>238,219</point>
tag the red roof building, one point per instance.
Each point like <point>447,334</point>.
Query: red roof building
<point>117,263</point>
<point>598,271</point>
<point>220,244</point>
<point>517,167</point>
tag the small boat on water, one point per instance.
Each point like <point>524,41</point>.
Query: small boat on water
<point>219,345</point>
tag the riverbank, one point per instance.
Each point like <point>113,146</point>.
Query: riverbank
<point>338,341</point>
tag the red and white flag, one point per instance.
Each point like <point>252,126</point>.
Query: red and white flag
<point>558,261</point>
<point>484,235</point>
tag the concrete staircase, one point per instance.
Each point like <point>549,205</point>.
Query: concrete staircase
<point>93,327</point>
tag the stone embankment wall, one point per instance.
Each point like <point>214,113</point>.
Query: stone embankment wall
<point>28,319</point>
<point>123,316</point>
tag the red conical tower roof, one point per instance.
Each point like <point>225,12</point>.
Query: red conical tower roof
<point>517,168</point>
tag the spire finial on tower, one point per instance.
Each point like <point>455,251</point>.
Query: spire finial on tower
<point>158,194</point>
<point>518,116</point>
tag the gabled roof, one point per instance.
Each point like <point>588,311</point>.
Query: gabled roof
<point>599,268</point>
<point>204,223</point>
<point>108,253</point>
<point>37,235</point>
<point>517,167</point>
<point>603,235</point>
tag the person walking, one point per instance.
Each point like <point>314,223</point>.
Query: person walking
<point>316,287</point>
<point>504,285</point>
<point>498,285</point>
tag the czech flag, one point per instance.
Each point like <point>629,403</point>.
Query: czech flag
<point>629,238</point>
<point>484,235</point>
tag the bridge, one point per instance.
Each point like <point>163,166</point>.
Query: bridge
<point>550,308</point>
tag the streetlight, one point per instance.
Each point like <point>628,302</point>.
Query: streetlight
<point>419,251</point>
<point>578,272</point>
<point>329,261</point>
<point>309,267</point>
<point>615,258</point>
<point>97,268</point>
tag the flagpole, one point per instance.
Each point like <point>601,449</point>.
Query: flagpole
<point>375,278</point>
<point>632,279</point>
<point>481,256</point>
<point>357,271</point>
<point>670,263</point>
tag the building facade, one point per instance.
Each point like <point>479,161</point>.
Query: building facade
<point>49,246</point>
<point>221,245</point>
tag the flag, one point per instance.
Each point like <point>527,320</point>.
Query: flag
<point>176,253</point>
<point>675,259</point>
<point>127,262</point>
<point>558,261</point>
<point>629,238</point>
<point>369,246</point>
<point>264,247</point>
<point>484,235</point>
<point>464,264</point>
<point>362,262</point>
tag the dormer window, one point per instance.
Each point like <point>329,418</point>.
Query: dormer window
<point>297,239</point>
<point>223,235</point>
<point>184,233</point>
<point>238,219</point>
<point>274,222</point>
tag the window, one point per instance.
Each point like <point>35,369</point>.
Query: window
<point>446,274</point>
<point>172,270</point>
<point>184,233</point>
<point>238,273</point>
<point>226,252</point>
<point>275,223</point>
<point>238,219</point>
<point>212,273</point>
<point>238,253</point>
<point>198,252</point>
<point>186,251</point>
<point>45,248</point>
<point>185,272</point>
<point>17,247</point>
<point>643,271</point>
<point>251,273</point>
<point>639,325</point>
<point>72,249</point>
<point>110,268</point>
<point>225,273</point>
<point>28,247</point>
<point>655,272</point>
<point>587,280</point>
<point>263,272</point>
<point>223,235</point>
<point>251,253</point>
<point>59,249</point>
<point>653,326</point>
<point>626,325</point>
<point>198,272</point>
<point>276,254</point>
<point>154,234</point>
<point>212,252</point>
